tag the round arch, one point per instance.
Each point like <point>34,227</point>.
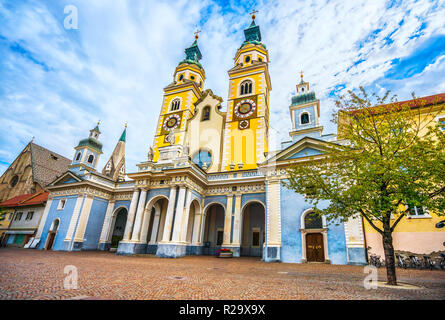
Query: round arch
<point>206,207</point>
<point>305,213</point>
<point>151,221</point>
<point>114,217</point>
<point>191,230</point>
<point>212,227</point>
<point>244,81</point>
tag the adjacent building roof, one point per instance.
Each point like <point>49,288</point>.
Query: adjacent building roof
<point>26,200</point>
<point>47,165</point>
<point>413,103</point>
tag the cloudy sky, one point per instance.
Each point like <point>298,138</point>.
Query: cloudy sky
<point>55,83</point>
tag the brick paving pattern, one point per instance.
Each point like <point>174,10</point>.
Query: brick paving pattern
<point>32,274</point>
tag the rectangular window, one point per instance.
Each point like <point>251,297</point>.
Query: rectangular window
<point>416,211</point>
<point>442,122</point>
<point>62,203</point>
<point>18,216</point>
<point>219,237</point>
<point>255,238</point>
<point>29,215</point>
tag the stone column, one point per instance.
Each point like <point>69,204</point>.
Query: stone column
<point>106,232</point>
<point>154,230</point>
<point>197,228</point>
<point>169,215</point>
<point>237,222</point>
<point>273,222</point>
<point>82,224</point>
<point>177,227</point>
<point>73,222</point>
<point>131,213</point>
<point>139,216</point>
<point>228,221</point>
<point>145,223</point>
<point>185,217</point>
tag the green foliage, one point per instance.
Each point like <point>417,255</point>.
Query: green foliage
<point>389,155</point>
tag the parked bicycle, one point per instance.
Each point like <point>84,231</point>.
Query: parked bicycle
<point>375,261</point>
<point>428,263</point>
<point>415,262</point>
<point>442,262</point>
<point>401,261</point>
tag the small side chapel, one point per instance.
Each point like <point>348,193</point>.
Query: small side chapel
<point>209,181</point>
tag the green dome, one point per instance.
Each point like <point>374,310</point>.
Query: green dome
<point>303,98</point>
<point>91,142</point>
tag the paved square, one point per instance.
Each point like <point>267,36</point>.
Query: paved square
<point>31,274</point>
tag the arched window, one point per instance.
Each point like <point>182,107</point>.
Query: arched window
<point>55,225</point>
<point>78,156</point>
<point>175,105</point>
<point>246,87</point>
<point>203,158</point>
<point>90,158</point>
<point>304,118</point>
<point>205,114</point>
<point>313,221</point>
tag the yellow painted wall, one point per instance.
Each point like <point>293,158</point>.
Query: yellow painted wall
<point>188,98</point>
<point>247,146</point>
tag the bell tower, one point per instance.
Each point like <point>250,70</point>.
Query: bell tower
<point>178,105</point>
<point>87,152</point>
<point>247,121</point>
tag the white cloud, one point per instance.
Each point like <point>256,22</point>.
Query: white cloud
<point>116,64</point>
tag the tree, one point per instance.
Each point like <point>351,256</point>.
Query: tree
<point>388,157</point>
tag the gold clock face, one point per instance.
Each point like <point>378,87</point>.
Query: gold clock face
<point>171,122</point>
<point>245,108</point>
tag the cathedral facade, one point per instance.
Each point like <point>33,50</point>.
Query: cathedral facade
<point>209,181</point>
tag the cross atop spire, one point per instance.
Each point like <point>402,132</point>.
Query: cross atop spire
<point>253,13</point>
<point>197,33</point>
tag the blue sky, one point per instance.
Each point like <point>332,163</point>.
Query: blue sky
<point>56,83</point>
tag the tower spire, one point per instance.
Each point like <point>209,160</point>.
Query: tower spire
<point>252,33</point>
<point>115,167</point>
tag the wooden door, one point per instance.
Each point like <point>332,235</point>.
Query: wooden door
<point>51,236</point>
<point>314,247</point>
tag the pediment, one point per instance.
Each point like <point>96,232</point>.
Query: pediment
<point>306,147</point>
<point>66,178</point>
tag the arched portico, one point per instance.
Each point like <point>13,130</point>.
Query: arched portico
<point>212,233</point>
<point>153,222</point>
<point>253,231</point>
<point>117,226</point>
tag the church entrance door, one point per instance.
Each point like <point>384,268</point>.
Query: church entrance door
<point>314,247</point>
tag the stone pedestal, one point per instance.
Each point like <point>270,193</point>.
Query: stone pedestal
<point>271,254</point>
<point>171,250</point>
<point>104,246</point>
<point>130,248</point>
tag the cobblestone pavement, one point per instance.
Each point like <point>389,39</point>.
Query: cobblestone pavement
<point>31,274</point>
